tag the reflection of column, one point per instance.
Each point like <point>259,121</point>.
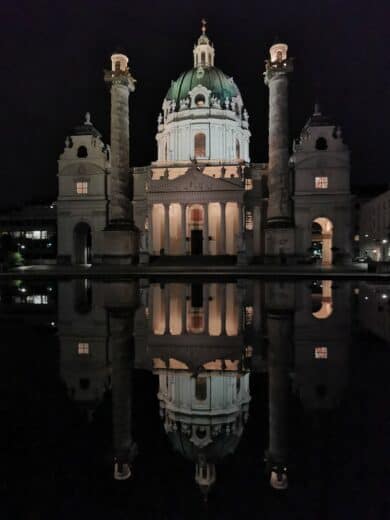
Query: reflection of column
<point>279,326</point>
<point>183,229</point>
<point>240,221</point>
<point>166,228</point>
<point>184,310</point>
<point>223,229</point>
<point>206,308</point>
<point>223,308</point>
<point>150,228</point>
<point>166,309</point>
<point>121,343</point>
<point>205,229</point>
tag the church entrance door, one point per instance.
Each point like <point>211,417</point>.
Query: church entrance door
<point>196,241</point>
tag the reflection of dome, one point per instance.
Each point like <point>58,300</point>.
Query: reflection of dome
<point>204,417</point>
<point>220,85</point>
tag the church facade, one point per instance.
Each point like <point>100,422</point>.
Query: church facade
<point>203,196</point>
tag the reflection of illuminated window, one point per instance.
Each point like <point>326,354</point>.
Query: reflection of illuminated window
<point>248,315</point>
<point>83,349</point>
<point>82,188</point>
<point>249,220</point>
<point>321,353</point>
<point>196,322</point>
<point>201,388</point>
<point>37,299</point>
<point>321,183</point>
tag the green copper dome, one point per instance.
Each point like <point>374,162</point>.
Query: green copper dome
<point>212,78</point>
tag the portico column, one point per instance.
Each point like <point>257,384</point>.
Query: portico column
<point>183,208</point>
<point>166,229</point>
<point>223,229</point>
<point>205,229</point>
<point>150,228</point>
<point>240,227</point>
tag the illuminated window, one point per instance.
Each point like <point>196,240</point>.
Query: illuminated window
<point>321,352</point>
<point>83,349</point>
<point>196,215</point>
<point>36,235</point>
<point>321,183</point>
<point>200,145</point>
<point>82,188</point>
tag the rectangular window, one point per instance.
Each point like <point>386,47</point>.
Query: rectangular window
<point>321,352</point>
<point>83,349</point>
<point>82,188</point>
<point>321,183</point>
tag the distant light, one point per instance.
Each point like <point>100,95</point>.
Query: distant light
<point>53,323</point>
<point>384,241</point>
<point>366,297</point>
<point>366,236</point>
<point>23,289</point>
<point>22,247</point>
<point>356,290</point>
<point>384,296</point>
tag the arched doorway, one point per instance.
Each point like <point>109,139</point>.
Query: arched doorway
<point>195,219</point>
<point>82,239</point>
<point>321,240</point>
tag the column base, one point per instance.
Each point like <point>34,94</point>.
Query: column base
<point>279,244</point>
<point>120,243</point>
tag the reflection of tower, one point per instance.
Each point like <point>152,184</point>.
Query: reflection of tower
<point>122,348</point>
<point>322,335</point>
<point>95,326</point>
<point>279,235</point>
<point>280,333</point>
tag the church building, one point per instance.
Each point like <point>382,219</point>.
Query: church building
<point>203,196</point>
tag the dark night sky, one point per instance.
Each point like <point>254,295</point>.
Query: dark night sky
<point>53,56</point>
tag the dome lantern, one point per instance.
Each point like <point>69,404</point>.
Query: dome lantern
<point>204,51</point>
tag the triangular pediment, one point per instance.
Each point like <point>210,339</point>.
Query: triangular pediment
<point>195,180</point>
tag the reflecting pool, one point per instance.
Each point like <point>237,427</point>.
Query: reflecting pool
<point>167,399</point>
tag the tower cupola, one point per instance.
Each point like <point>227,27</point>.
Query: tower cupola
<point>204,51</point>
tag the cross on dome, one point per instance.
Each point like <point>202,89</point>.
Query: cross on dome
<point>204,25</point>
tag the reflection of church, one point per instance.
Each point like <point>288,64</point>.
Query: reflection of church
<point>203,196</point>
<point>203,341</point>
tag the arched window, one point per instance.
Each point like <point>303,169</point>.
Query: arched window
<point>203,58</point>
<point>200,145</point>
<point>201,388</point>
<point>321,144</point>
<point>238,151</point>
<point>200,100</point>
<point>82,152</point>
